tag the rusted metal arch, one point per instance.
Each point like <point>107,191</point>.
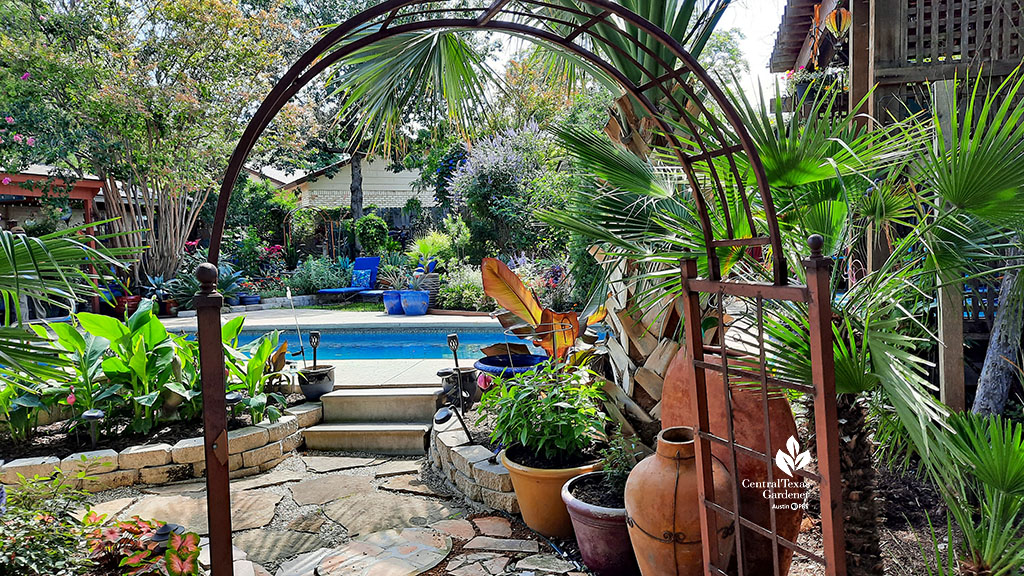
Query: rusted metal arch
<point>705,149</point>
<point>375,24</point>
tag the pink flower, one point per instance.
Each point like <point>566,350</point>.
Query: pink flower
<point>10,119</point>
<point>17,138</point>
<point>5,181</point>
<point>484,381</point>
<point>30,141</point>
<point>26,76</point>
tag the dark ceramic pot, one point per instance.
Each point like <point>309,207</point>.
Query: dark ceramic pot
<point>393,302</point>
<point>601,533</point>
<point>508,365</point>
<point>249,299</point>
<point>316,381</point>
<point>415,302</point>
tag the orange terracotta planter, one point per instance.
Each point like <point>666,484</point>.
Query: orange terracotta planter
<point>748,414</point>
<point>662,509</point>
<point>539,492</point>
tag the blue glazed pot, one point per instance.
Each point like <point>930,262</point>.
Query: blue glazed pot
<point>249,299</point>
<point>231,301</point>
<point>415,302</point>
<point>393,302</point>
<point>505,365</point>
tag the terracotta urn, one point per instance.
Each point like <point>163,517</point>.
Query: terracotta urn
<point>749,430</point>
<point>662,510</point>
<point>539,492</point>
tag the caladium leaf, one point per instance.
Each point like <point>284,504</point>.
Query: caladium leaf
<point>509,291</point>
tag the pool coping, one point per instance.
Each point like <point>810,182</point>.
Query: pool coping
<point>308,319</point>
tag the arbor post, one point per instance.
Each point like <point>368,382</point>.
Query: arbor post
<point>208,303</point>
<point>823,375</point>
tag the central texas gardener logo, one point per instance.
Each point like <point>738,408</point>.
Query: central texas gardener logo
<point>792,459</point>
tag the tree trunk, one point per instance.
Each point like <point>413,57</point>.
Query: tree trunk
<point>860,507</point>
<point>999,373</point>
<point>357,192</point>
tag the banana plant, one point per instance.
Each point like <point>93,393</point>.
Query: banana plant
<point>142,357</point>
<point>251,370</point>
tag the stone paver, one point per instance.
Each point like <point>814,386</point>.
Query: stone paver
<point>248,510</point>
<point>503,545</point>
<point>334,463</point>
<point>544,563</point>
<point>494,526</point>
<point>265,546</point>
<point>310,522</point>
<point>174,489</point>
<point>410,483</point>
<point>375,511</point>
<point>406,552</point>
<point>398,468</point>
<point>305,564</point>
<point>274,478</point>
<point>477,564</point>
<point>329,488</point>
<point>110,508</point>
<point>461,529</point>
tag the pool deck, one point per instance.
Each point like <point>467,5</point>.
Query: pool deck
<point>362,373</point>
<point>311,318</point>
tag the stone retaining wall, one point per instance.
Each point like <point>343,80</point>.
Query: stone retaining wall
<point>468,468</point>
<point>252,450</point>
<point>266,304</point>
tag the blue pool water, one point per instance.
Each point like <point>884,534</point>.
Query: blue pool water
<point>389,344</point>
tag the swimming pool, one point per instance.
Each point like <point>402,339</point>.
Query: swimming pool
<point>391,344</point>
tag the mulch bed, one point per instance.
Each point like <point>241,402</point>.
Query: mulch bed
<point>57,440</point>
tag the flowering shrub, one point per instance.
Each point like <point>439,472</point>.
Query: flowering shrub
<point>462,288</point>
<point>316,273</point>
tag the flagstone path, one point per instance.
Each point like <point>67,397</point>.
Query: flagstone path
<point>349,515</point>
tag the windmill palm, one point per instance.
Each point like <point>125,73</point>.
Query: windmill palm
<point>381,82</point>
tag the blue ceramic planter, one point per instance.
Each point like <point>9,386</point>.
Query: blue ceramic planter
<point>393,302</point>
<point>505,365</point>
<point>249,299</point>
<point>415,302</point>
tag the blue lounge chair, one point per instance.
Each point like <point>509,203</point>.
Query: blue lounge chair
<point>362,263</point>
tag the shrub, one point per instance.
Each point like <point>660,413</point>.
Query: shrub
<point>316,273</point>
<point>372,233</point>
<point>462,288</point>
<point>39,535</point>
<point>429,247</point>
<point>553,411</point>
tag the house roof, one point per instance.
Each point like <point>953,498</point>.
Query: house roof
<point>316,174</point>
<point>793,32</point>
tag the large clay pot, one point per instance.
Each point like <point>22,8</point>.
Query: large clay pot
<point>663,512</point>
<point>539,492</point>
<point>748,427</point>
<point>601,533</point>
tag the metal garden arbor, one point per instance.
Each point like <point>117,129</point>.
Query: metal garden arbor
<point>705,135</point>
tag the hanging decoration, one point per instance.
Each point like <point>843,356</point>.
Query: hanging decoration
<point>838,23</point>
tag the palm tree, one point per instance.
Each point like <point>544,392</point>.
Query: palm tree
<point>58,269</point>
<point>381,82</point>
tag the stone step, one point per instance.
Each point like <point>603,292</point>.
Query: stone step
<point>381,405</point>
<point>386,385</point>
<point>396,438</point>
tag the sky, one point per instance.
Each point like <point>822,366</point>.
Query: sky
<point>759,20</point>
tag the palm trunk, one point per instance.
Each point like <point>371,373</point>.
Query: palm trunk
<point>356,189</point>
<point>999,373</point>
<point>860,506</point>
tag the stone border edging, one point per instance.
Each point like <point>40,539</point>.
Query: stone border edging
<point>252,450</point>
<point>467,469</point>
<point>265,304</point>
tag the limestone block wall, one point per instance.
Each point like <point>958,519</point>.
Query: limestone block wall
<point>252,450</point>
<point>469,470</point>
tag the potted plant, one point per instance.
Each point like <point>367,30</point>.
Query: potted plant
<point>395,278</point>
<point>549,421</point>
<point>315,381</point>
<point>597,505</point>
<point>415,300</point>
<point>248,294</point>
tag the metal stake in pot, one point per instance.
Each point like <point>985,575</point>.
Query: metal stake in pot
<point>453,345</point>
<point>314,343</point>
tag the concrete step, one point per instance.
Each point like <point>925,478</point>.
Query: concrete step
<point>385,385</point>
<point>381,405</point>
<point>380,438</point>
